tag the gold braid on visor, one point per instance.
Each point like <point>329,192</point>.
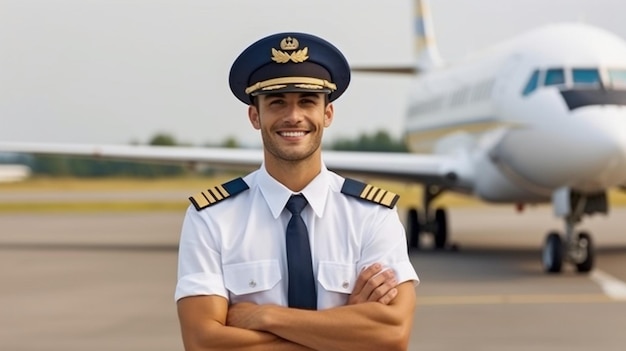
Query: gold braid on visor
<point>322,83</point>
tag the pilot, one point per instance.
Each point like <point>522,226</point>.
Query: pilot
<point>293,256</point>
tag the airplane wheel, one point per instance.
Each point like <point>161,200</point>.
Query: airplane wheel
<point>414,228</point>
<point>553,253</point>
<point>585,247</point>
<point>441,233</point>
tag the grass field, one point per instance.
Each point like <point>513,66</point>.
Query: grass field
<point>410,194</point>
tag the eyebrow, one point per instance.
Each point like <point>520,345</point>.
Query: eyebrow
<point>301,95</point>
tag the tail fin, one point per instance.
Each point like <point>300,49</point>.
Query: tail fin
<point>426,49</point>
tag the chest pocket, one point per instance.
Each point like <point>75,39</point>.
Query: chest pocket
<point>336,281</point>
<point>251,277</point>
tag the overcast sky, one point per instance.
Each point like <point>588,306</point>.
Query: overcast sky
<point>116,71</point>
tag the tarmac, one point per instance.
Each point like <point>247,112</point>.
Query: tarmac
<point>105,281</point>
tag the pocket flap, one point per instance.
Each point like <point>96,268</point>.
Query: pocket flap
<point>337,277</point>
<point>251,277</point>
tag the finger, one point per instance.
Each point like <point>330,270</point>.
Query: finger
<point>365,276</point>
<point>379,285</point>
<point>389,296</point>
<point>359,295</point>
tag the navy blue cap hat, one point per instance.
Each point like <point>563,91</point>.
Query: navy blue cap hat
<point>289,62</point>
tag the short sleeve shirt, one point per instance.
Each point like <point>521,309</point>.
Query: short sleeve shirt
<point>236,248</point>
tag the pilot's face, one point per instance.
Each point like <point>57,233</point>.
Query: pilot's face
<point>291,124</point>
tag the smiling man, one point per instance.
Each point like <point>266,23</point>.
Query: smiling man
<point>293,256</point>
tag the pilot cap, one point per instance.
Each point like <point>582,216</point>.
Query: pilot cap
<point>288,63</point>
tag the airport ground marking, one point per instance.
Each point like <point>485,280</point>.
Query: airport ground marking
<point>514,299</point>
<point>612,287</point>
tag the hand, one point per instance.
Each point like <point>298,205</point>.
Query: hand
<point>374,285</point>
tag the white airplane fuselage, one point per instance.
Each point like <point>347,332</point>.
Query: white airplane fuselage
<point>520,144</point>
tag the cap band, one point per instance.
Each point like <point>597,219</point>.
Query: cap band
<point>322,83</point>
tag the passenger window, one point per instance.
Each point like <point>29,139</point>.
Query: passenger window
<point>618,77</point>
<point>532,83</point>
<point>586,76</point>
<point>554,76</point>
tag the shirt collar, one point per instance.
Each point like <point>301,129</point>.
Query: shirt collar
<point>276,195</point>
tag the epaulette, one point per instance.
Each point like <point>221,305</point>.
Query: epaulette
<point>218,193</point>
<point>369,192</point>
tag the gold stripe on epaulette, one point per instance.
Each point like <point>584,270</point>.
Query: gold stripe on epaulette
<point>380,195</point>
<point>365,191</point>
<point>388,198</point>
<point>210,196</point>
<point>222,191</point>
<point>377,195</point>
<point>201,200</point>
<point>369,193</point>
<point>218,193</point>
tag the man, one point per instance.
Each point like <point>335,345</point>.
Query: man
<point>293,256</point>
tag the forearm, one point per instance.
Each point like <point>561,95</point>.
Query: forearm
<point>366,326</point>
<point>203,327</point>
<point>219,337</point>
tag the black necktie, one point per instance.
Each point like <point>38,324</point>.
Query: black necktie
<point>301,292</point>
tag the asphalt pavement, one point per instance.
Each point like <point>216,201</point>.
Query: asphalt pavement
<point>105,281</point>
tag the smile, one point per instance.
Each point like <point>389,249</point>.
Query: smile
<point>292,134</point>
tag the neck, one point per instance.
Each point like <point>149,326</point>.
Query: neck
<point>295,175</point>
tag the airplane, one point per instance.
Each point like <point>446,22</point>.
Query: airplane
<point>13,173</point>
<point>540,118</point>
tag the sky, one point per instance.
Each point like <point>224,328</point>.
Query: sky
<point>121,71</point>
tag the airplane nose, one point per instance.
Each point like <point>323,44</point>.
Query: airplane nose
<point>588,154</point>
<point>608,124</point>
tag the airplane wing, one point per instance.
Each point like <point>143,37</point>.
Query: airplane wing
<point>431,169</point>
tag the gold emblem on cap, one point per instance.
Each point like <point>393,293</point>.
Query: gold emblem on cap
<point>290,44</point>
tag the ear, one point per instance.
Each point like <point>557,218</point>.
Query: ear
<point>329,113</point>
<point>253,116</point>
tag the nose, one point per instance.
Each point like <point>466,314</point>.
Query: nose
<point>293,114</point>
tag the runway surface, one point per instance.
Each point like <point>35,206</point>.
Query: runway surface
<point>105,281</point>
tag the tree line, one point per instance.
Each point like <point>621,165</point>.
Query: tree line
<point>65,166</point>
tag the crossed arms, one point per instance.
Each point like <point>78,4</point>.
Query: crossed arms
<point>378,316</point>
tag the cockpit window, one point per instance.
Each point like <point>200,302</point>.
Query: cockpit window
<point>532,84</point>
<point>577,78</point>
<point>586,76</point>
<point>554,76</point>
<point>617,77</point>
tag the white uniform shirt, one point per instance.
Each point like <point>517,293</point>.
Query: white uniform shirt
<point>236,248</point>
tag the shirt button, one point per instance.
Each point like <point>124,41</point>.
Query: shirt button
<point>345,284</point>
<point>252,283</point>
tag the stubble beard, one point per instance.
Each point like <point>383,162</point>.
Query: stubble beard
<point>291,154</point>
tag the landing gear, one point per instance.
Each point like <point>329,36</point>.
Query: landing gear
<point>584,254</point>
<point>441,228</point>
<point>573,248</point>
<point>579,252</point>
<point>413,228</point>
<point>553,253</point>
<point>436,224</point>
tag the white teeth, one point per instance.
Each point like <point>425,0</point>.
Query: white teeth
<point>292,134</point>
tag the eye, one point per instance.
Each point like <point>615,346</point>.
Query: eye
<point>277,102</point>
